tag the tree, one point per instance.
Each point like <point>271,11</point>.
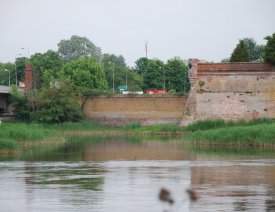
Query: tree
<point>269,50</point>
<point>255,50</point>
<point>135,80</point>
<point>154,76</point>
<point>240,53</point>
<point>84,74</point>
<point>78,46</point>
<point>44,66</point>
<point>114,65</point>
<point>4,74</point>
<point>141,65</point>
<point>176,75</point>
<point>20,64</point>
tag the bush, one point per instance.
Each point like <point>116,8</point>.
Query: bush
<point>49,105</point>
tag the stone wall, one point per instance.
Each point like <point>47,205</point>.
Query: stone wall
<point>146,110</point>
<point>234,91</point>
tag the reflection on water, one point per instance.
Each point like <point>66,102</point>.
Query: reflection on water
<point>122,174</point>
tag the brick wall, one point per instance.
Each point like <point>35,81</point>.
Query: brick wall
<point>28,77</point>
<point>146,110</point>
<point>235,91</point>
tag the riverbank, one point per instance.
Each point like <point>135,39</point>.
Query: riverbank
<point>256,133</point>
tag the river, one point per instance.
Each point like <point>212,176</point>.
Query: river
<point>105,174</point>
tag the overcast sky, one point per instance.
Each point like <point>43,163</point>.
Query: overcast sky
<point>205,29</point>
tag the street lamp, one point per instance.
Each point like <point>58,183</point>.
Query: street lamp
<point>112,65</point>
<point>163,74</point>
<point>126,80</point>
<point>6,70</point>
<point>163,79</point>
<point>113,78</point>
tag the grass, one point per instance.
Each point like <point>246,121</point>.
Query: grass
<point>81,126</point>
<point>164,129</point>
<point>219,123</point>
<point>24,132</point>
<point>7,145</point>
<point>254,133</point>
<point>259,132</point>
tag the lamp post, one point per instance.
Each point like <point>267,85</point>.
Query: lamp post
<point>113,78</point>
<point>6,70</point>
<point>163,79</point>
<point>112,65</point>
<point>126,80</point>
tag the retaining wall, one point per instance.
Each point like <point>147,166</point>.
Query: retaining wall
<point>147,110</point>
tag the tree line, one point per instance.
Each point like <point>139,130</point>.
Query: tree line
<point>247,50</point>
<point>81,61</point>
<point>64,79</point>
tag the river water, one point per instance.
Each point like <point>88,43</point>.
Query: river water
<point>126,174</point>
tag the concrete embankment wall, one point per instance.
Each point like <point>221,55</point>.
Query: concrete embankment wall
<point>147,110</point>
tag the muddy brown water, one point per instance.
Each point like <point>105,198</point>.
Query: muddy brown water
<point>122,174</point>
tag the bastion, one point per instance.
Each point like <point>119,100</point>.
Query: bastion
<point>231,91</point>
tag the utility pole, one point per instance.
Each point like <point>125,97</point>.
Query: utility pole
<point>163,78</point>
<point>6,70</point>
<point>146,46</point>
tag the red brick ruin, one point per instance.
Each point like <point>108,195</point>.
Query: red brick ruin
<point>28,77</point>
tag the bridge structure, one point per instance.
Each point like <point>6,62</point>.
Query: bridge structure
<point>4,94</point>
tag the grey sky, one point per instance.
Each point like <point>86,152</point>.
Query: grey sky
<point>206,29</point>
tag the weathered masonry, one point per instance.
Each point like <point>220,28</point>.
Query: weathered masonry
<point>231,91</point>
<point>146,110</point>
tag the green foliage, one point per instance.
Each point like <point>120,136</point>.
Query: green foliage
<point>218,132</point>
<point>157,75</point>
<point>57,105</point>
<point>240,53</point>
<point>255,50</point>
<point>176,75</point>
<point>20,64</point>
<point>115,69</point>
<point>154,75</point>
<point>219,123</point>
<point>22,107</point>
<point>4,75</point>
<point>45,68</point>
<point>269,50</point>
<point>172,91</point>
<point>24,132</point>
<point>48,105</point>
<point>253,135</point>
<point>115,65</point>
<point>141,65</point>
<point>78,46</point>
<point>7,144</point>
<point>84,74</point>
<point>206,125</point>
<point>82,125</point>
